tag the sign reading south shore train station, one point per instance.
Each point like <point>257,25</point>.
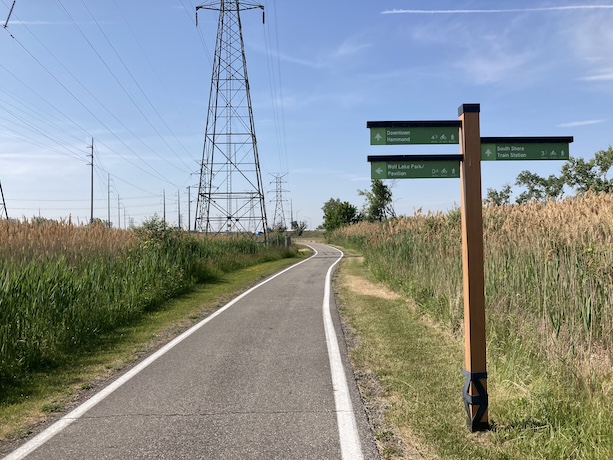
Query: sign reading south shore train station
<point>414,132</point>
<point>524,148</point>
<point>467,166</point>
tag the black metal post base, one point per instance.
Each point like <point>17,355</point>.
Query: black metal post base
<point>480,399</point>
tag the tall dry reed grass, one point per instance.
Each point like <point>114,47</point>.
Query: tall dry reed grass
<point>63,286</point>
<point>39,240</point>
<point>547,274</point>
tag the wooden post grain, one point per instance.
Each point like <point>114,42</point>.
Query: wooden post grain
<point>472,269</point>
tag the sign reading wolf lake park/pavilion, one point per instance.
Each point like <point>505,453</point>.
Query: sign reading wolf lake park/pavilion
<point>413,132</point>
<point>415,169</point>
<point>524,148</point>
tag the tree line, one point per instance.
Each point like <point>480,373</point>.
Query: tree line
<point>378,207</point>
<point>577,174</point>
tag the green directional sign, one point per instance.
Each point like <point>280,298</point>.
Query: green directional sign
<point>414,135</point>
<point>524,151</point>
<point>415,169</point>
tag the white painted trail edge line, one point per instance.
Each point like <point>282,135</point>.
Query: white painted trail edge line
<point>65,421</point>
<point>351,447</point>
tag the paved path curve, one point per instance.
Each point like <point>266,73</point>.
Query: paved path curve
<point>265,377</point>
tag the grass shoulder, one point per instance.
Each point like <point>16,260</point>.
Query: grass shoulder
<point>406,366</point>
<point>29,403</point>
<point>408,370</point>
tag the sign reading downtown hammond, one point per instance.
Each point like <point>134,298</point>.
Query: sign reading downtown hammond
<point>414,132</point>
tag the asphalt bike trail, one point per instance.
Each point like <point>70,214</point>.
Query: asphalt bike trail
<point>264,377</point>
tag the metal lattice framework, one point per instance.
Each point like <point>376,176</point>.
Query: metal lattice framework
<point>230,194</point>
<point>3,211</point>
<point>278,222</point>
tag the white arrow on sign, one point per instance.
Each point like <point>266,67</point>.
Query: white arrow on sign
<point>378,171</point>
<point>378,137</point>
<point>488,152</point>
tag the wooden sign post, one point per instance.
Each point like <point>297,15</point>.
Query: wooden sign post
<point>473,149</point>
<point>475,371</point>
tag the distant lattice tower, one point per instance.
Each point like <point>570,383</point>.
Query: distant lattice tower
<point>230,194</point>
<point>279,219</point>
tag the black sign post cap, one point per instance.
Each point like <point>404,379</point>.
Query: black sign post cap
<point>467,108</point>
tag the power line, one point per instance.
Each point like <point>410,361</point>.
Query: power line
<point>142,92</point>
<point>31,121</point>
<point>77,200</point>
<point>276,98</point>
<point>153,69</point>
<point>154,174</point>
<point>119,83</point>
<point>34,128</point>
<point>34,114</point>
<point>91,113</point>
<point>193,19</point>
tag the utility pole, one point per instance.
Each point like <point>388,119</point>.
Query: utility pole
<point>3,209</point>
<point>164,209</point>
<point>189,208</point>
<point>230,192</point>
<point>108,200</point>
<point>118,213</point>
<point>91,219</point>
<point>9,16</point>
<point>179,208</point>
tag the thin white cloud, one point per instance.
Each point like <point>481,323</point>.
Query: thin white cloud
<point>497,66</point>
<point>606,76</point>
<point>580,123</point>
<point>507,55</point>
<point>589,39</point>
<point>313,64</point>
<point>349,48</point>
<point>325,59</point>
<point>509,10</point>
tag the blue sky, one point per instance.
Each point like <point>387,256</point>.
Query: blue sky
<point>135,77</point>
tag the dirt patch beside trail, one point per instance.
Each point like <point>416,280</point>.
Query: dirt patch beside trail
<point>364,287</point>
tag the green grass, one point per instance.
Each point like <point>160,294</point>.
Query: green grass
<point>56,300</point>
<point>536,410</point>
<point>548,317</point>
<point>33,397</point>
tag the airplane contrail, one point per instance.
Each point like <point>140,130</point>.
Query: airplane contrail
<point>511,10</point>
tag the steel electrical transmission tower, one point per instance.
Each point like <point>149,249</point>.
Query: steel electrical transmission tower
<point>3,210</point>
<point>278,222</point>
<point>230,194</point>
